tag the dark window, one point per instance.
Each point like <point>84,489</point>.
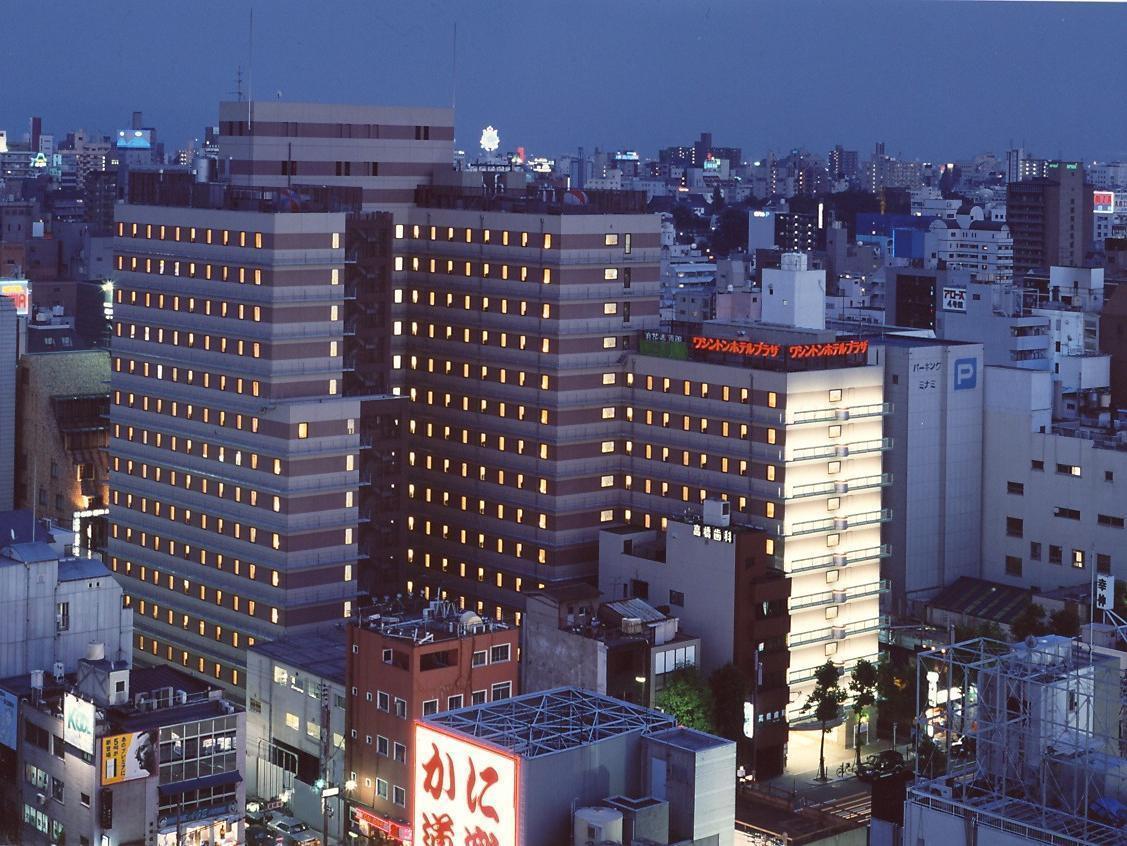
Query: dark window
<point>1015,488</point>
<point>627,276</point>
<point>1034,551</point>
<point>1013,565</point>
<point>1109,520</point>
<point>1109,476</point>
<point>677,598</point>
<point>1054,554</point>
<point>1015,527</point>
<point>1066,513</point>
<point>639,589</point>
<point>1103,562</point>
<point>1037,465</point>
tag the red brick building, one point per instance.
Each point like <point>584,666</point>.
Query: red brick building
<point>401,668</point>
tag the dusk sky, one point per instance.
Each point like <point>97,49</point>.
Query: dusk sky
<point>932,79</point>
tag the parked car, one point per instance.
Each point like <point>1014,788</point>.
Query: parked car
<point>885,763</point>
<point>294,832</point>
<point>257,814</point>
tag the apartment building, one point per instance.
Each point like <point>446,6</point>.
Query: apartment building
<point>402,666</point>
<point>1050,217</point>
<point>522,308</point>
<point>234,451</point>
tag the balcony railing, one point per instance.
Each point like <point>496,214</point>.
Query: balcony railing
<point>814,452</point>
<point>857,412</point>
<point>826,562</point>
<point>881,480</point>
<point>878,445</point>
<point>838,597</point>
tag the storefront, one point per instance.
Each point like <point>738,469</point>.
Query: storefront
<point>223,829</point>
<point>379,829</point>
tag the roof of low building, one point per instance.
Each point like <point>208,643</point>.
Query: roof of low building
<point>550,721</point>
<point>318,653</point>
<point>983,599</point>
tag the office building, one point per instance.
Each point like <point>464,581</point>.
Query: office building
<point>234,452</point>
<point>62,467</point>
<point>936,389</point>
<point>1053,501</point>
<point>9,345</point>
<point>1050,218</point>
<point>625,649</point>
<point>402,666</point>
<point>296,697</point>
<point>572,766</point>
<point>54,604</point>
<point>113,755</point>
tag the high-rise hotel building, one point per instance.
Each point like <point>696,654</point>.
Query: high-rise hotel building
<point>234,451</point>
<point>523,308</point>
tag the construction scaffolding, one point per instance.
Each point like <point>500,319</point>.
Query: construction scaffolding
<point>1022,738</point>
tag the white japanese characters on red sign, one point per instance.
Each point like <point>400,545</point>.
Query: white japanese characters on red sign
<point>465,794</point>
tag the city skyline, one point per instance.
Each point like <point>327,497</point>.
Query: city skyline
<point>506,74</point>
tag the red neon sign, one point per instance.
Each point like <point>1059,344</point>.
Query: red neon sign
<point>398,830</point>
<point>762,349</point>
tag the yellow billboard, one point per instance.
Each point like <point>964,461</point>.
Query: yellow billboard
<point>128,756</point>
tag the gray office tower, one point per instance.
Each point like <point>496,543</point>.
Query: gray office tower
<point>9,341</point>
<point>935,387</point>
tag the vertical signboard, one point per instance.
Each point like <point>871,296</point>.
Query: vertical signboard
<point>9,718</point>
<point>17,290</point>
<point>464,792</point>
<point>78,723</point>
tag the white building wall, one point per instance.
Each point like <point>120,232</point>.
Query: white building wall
<point>1017,404</point>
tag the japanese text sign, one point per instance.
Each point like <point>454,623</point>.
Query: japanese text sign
<point>763,349</point>
<point>464,794</point>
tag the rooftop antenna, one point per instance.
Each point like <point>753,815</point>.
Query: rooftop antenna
<point>250,76</point>
<point>239,83</point>
<point>454,69</point>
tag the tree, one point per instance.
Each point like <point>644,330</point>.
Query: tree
<point>717,199</point>
<point>1065,622</point>
<point>896,689</point>
<point>863,684</point>
<point>729,693</point>
<point>825,701</point>
<point>1030,621</point>
<point>686,698</point>
<point>730,234</point>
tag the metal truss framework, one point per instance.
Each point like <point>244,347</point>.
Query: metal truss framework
<point>1042,721</point>
<point>552,721</point>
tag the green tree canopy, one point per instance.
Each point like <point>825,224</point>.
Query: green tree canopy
<point>687,699</point>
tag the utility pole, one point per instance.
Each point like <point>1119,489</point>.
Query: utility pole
<point>326,754</point>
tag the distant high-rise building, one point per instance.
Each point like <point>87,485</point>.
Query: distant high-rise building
<point>1050,218</point>
<point>843,163</point>
<point>1020,165</point>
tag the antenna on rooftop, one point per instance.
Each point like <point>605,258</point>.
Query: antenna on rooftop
<point>454,69</point>
<point>250,75</point>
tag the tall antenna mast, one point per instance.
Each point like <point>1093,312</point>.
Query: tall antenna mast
<point>250,76</point>
<point>454,69</point>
